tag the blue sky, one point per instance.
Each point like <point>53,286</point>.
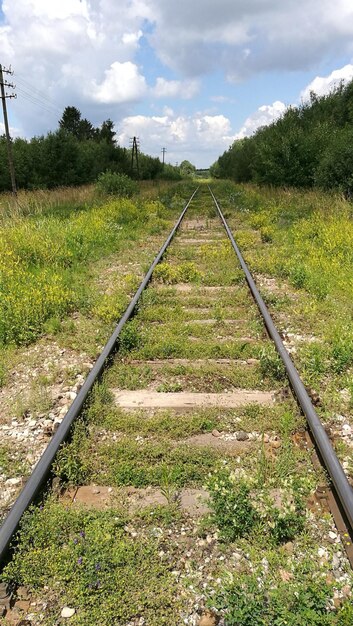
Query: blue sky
<point>190,76</point>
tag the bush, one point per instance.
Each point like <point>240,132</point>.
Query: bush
<point>233,511</point>
<point>113,184</point>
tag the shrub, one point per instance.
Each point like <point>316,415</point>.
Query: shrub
<point>113,184</point>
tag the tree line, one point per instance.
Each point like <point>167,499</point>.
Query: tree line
<point>74,154</point>
<point>310,145</point>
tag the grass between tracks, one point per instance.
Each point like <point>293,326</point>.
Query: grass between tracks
<point>264,554</point>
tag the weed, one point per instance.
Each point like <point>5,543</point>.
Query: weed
<point>233,511</point>
<point>251,601</point>
<point>240,505</point>
<point>270,363</point>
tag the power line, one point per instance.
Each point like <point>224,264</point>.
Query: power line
<point>40,94</point>
<point>27,96</point>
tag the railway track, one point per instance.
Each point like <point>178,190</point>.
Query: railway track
<point>190,444</point>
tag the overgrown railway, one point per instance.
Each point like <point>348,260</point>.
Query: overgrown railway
<point>186,460</point>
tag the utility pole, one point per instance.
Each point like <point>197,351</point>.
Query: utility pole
<point>164,150</point>
<point>135,145</point>
<point>4,95</point>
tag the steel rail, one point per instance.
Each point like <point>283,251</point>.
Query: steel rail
<point>328,455</point>
<point>41,471</point>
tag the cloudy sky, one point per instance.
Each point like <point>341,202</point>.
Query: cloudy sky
<point>187,75</point>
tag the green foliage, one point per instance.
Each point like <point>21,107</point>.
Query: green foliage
<point>71,463</point>
<point>89,561</point>
<point>232,508</point>
<point>74,154</point>
<point>308,145</point>
<point>271,363</point>
<point>42,258</point>
<point>252,601</point>
<point>185,272</point>
<point>241,505</point>
<point>129,337</point>
<point>113,184</point>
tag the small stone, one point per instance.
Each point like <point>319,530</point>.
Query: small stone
<point>289,547</point>
<point>266,438</point>
<point>346,591</point>
<point>242,435</point>
<point>285,576</point>
<point>216,433</point>
<point>12,482</point>
<point>335,561</point>
<point>208,619</point>
<point>332,535</point>
<point>23,593</point>
<point>67,612</point>
<point>276,444</point>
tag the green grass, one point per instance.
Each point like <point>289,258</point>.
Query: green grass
<point>90,561</point>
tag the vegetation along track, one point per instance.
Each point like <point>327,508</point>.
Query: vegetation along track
<point>187,491</point>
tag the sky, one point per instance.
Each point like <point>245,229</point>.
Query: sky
<point>188,75</point>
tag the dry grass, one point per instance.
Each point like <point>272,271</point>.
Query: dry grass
<point>43,201</point>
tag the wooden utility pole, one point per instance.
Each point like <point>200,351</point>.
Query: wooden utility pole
<point>135,155</point>
<point>164,150</point>
<point>4,95</point>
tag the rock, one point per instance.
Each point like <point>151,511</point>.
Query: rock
<point>289,547</point>
<point>67,612</point>
<point>266,438</point>
<point>12,482</point>
<point>242,435</point>
<point>276,444</point>
<point>3,590</point>
<point>23,593</point>
<point>216,433</point>
<point>332,535</point>
<point>285,576</point>
<point>335,561</point>
<point>346,591</point>
<point>208,619</point>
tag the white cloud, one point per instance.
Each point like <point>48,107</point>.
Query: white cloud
<point>184,89</point>
<point>199,138</point>
<point>14,132</point>
<point>132,38</point>
<point>122,83</point>
<point>264,116</point>
<point>322,85</point>
<point>247,36</point>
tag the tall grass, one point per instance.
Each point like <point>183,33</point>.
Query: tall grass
<point>44,258</point>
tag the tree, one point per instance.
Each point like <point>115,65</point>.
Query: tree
<point>187,168</point>
<point>107,132</point>
<point>70,121</point>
